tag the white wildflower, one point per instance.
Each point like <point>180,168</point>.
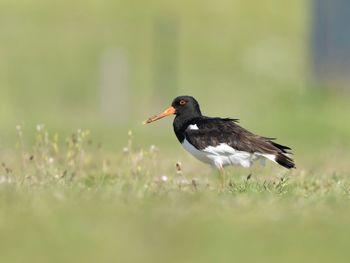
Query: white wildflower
<point>40,127</point>
<point>154,149</point>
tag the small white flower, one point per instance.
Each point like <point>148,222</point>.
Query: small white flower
<point>51,160</point>
<point>40,127</point>
<point>5,179</point>
<point>154,149</point>
<point>161,179</point>
<point>185,182</point>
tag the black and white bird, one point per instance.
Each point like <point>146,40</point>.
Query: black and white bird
<point>220,141</point>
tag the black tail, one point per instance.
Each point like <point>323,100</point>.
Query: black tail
<point>283,148</point>
<point>285,161</point>
<point>281,154</point>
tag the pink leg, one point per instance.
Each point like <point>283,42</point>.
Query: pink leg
<point>222,177</point>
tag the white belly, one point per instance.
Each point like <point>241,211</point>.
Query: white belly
<point>223,155</point>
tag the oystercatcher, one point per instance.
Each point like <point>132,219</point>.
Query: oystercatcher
<point>220,141</point>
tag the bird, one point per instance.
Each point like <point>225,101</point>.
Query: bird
<point>220,142</point>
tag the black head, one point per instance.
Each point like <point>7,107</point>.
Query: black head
<point>186,105</point>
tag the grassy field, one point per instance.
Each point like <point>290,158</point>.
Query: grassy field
<point>71,200</point>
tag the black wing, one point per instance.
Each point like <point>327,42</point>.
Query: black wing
<point>215,131</point>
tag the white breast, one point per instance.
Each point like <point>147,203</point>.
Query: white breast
<point>200,155</point>
<point>223,155</point>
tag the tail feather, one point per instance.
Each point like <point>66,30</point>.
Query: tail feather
<point>283,148</point>
<point>276,152</point>
<point>285,161</point>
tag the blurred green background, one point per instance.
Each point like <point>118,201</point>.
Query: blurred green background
<point>107,65</point>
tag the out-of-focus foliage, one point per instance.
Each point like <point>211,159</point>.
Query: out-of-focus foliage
<point>51,53</point>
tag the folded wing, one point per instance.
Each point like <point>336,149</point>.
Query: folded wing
<point>216,131</point>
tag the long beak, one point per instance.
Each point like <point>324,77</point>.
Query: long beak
<point>167,112</point>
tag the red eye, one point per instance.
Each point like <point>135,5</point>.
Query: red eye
<point>183,102</point>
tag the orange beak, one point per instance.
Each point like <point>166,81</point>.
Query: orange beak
<point>167,112</point>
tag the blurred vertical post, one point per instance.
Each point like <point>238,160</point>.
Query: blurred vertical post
<point>331,40</point>
<point>114,86</point>
<point>165,59</point>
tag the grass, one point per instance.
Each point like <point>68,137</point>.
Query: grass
<point>70,200</point>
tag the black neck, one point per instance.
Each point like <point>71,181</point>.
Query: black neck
<point>181,123</point>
